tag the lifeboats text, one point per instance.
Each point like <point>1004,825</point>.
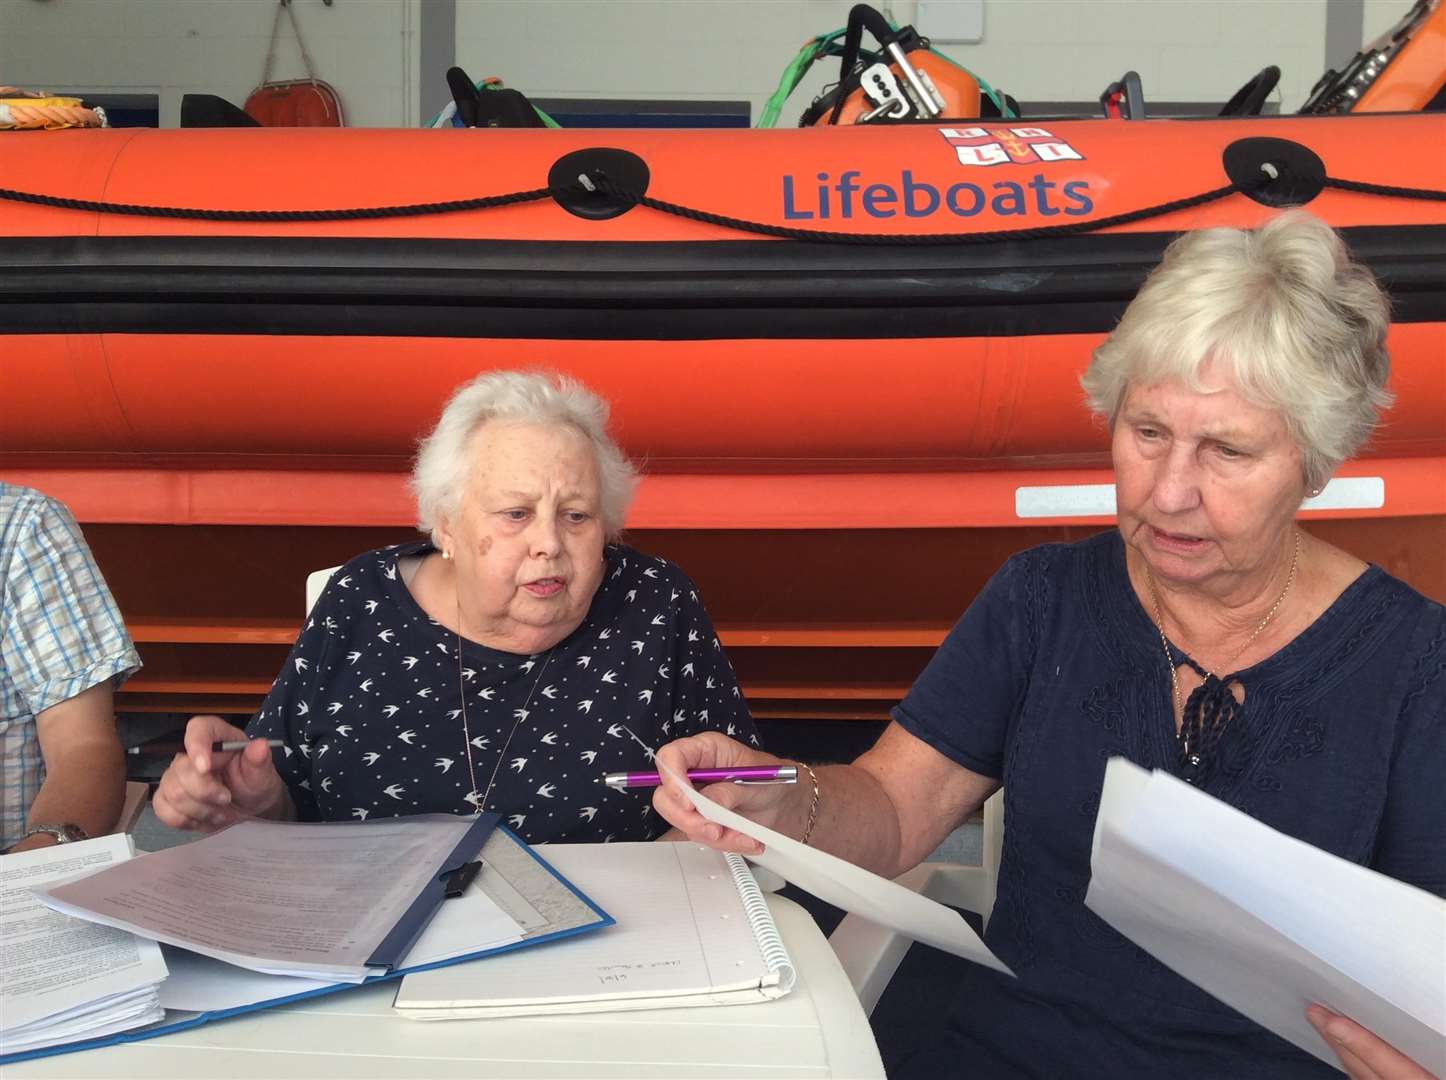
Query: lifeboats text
<point>844,197</point>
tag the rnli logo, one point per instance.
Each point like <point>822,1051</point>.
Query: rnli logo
<point>1008,146</point>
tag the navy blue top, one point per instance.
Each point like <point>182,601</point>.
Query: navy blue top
<point>369,704</point>
<point>1054,669</point>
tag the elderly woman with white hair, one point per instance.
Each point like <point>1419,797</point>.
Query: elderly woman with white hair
<point>1209,635</point>
<point>503,665</point>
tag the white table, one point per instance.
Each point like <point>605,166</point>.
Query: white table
<point>819,1030</point>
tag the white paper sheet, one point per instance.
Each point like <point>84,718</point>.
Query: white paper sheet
<point>204,984</point>
<point>62,971</point>
<point>310,900</point>
<point>853,888</point>
<point>1264,922</point>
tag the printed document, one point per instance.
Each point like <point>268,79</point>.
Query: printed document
<point>60,978</point>
<point>471,923</point>
<point>285,898</point>
<point>1267,923</point>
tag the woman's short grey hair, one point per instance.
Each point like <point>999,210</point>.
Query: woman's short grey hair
<point>440,475</point>
<point>1302,327</point>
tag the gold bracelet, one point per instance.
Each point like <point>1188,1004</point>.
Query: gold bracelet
<point>813,807</point>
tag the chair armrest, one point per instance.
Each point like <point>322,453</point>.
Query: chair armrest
<point>870,953</point>
<point>138,794</point>
<point>768,880</point>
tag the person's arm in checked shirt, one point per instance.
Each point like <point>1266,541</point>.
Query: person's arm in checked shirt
<point>64,648</point>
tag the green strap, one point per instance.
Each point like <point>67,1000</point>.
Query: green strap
<point>792,75</point>
<point>827,45</point>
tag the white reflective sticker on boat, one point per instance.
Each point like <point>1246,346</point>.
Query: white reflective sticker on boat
<point>1098,500</point>
<point>1065,500</point>
<point>1350,493</point>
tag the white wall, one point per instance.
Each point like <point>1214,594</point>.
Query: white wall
<point>211,46</point>
<point>1382,15</point>
<point>1038,50</point>
<point>1184,50</point>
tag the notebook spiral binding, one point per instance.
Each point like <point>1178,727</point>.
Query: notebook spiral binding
<point>755,907</point>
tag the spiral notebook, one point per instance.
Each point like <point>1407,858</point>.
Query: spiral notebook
<point>693,928</point>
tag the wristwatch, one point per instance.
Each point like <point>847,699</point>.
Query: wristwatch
<point>64,832</point>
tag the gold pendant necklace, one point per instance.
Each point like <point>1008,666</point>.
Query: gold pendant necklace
<point>479,804</point>
<point>1187,751</point>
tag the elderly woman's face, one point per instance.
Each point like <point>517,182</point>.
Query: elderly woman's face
<point>1207,483</point>
<point>528,542</point>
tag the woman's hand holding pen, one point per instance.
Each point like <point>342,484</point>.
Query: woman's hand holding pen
<point>773,805</point>
<point>204,789</point>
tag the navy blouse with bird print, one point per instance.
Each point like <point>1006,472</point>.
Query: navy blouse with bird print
<point>369,704</point>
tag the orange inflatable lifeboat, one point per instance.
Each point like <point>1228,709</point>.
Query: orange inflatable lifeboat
<point>844,354</point>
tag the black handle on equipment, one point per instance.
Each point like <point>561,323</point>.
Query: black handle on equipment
<point>861,18</point>
<point>1124,99</point>
<point>464,93</point>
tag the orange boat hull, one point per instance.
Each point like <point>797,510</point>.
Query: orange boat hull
<point>841,442</point>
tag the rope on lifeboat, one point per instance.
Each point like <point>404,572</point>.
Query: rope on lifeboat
<point>28,109</point>
<point>923,239</point>
<point>598,183</point>
<point>1363,188</point>
<point>485,202</point>
<point>1068,229</point>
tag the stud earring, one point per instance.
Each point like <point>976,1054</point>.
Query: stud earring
<point>1314,492</point>
<point>446,554</point>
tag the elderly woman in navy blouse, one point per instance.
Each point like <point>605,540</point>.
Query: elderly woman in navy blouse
<point>504,665</point>
<point>1209,635</point>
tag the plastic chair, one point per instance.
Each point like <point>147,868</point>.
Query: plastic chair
<point>870,953</point>
<point>315,582</point>
<point>138,794</point>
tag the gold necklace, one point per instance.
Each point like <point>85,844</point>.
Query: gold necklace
<point>1186,749</point>
<point>481,804</point>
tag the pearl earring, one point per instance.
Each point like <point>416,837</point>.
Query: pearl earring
<point>446,554</point>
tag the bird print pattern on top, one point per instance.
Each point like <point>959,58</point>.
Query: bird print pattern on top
<point>368,704</point>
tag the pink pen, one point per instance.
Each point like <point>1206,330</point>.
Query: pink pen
<point>743,774</point>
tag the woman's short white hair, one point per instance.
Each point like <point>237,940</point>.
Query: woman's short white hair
<point>1301,326</point>
<point>439,477</point>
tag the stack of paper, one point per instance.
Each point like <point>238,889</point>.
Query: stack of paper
<point>62,979</point>
<point>1267,923</point>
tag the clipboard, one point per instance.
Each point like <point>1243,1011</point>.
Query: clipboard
<point>394,947</point>
<point>485,836</point>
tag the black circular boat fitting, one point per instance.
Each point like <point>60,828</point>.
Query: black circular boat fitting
<point>1274,172</point>
<point>572,180</point>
